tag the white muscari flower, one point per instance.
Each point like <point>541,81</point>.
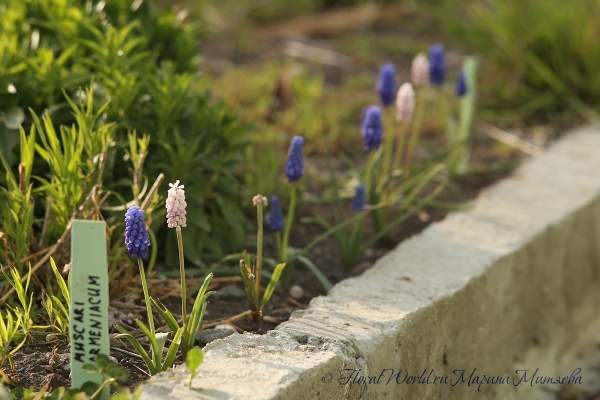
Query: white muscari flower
<point>259,199</point>
<point>420,70</point>
<point>176,206</point>
<point>405,102</point>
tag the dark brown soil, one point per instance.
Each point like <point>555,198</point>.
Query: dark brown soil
<point>46,364</point>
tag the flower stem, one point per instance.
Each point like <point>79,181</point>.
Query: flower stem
<point>146,296</point>
<point>259,245</point>
<point>278,239</point>
<point>388,140</point>
<point>182,273</point>
<point>401,143</point>
<point>371,189</point>
<point>369,185</point>
<point>286,275</point>
<point>414,139</point>
<point>288,224</point>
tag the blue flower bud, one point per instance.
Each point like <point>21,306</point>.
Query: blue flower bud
<point>372,128</point>
<point>136,235</point>
<point>437,64</point>
<point>358,202</point>
<point>294,166</point>
<point>275,215</point>
<point>461,84</point>
<point>386,84</point>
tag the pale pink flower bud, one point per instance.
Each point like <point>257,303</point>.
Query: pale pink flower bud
<point>405,102</point>
<point>176,206</point>
<point>259,199</point>
<point>420,70</point>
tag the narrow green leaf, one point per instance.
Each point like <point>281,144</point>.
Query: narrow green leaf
<point>272,283</point>
<point>134,342</point>
<point>166,315</point>
<point>316,272</point>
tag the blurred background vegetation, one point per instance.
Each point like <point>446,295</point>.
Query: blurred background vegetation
<point>221,87</point>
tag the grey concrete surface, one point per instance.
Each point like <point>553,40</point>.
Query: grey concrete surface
<point>513,283</point>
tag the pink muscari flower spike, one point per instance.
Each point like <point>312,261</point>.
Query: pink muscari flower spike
<point>405,102</point>
<point>420,70</point>
<point>176,204</point>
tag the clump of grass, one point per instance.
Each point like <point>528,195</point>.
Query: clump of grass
<point>544,52</point>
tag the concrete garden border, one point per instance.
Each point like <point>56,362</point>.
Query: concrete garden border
<point>513,283</point>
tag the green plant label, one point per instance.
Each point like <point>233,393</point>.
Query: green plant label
<point>89,300</point>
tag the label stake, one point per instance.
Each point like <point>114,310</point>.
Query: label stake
<point>88,330</point>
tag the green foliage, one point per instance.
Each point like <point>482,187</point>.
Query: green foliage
<point>403,200</point>
<point>142,63</point>
<point>189,330</point>
<point>459,136</point>
<point>17,211</point>
<point>58,308</point>
<point>138,151</point>
<point>544,52</point>
<point>23,311</point>
<point>75,158</point>
<point>249,276</point>
<point>325,118</point>
<point>193,360</point>
<point>348,241</point>
<point>154,361</point>
<point>9,326</point>
<point>111,373</point>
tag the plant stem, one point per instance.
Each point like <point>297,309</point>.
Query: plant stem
<point>351,254</point>
<point>259,245</point>
<point>286,275</point>
<point>400,144</point>
<point>182,273</point>
<point>288,223</point>
<point>369,186</point>
<point>105,382</point>
<point>325,234</point>
<point>388,141</point>
<point>414,139</point>
<point>146,296</point>
<point>372,195</point>
<point>278,239</point>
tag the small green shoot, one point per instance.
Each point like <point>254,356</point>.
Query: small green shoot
<point>193,360</point>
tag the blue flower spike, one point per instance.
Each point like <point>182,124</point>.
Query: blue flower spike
<point>461,84</point>
<point>372,128</point>
<point>275,215</point>
<point>137,239</point>
<point>358,202</point>
<point>437,64</point>
<point>294,166</point>
<point>386,84</point>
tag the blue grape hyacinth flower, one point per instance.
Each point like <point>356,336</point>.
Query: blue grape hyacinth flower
<point>294,166</point>
<point>358,202</point>
<point>437,64</point>
<point>372,128</point>
<point>275,215</point>
<point>137,239</point>
<point>461,84</point>
<point>386,84</point>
